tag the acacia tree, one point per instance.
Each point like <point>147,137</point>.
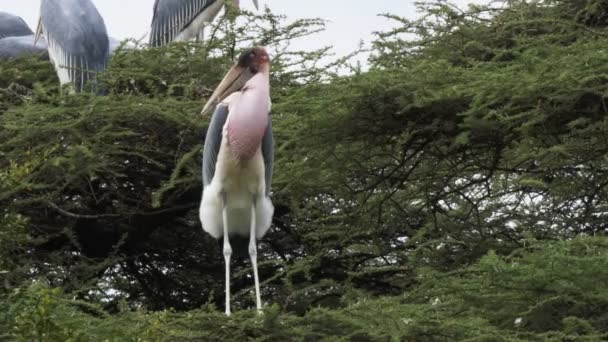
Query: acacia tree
<point>482,131</point>
<point>108,188</point>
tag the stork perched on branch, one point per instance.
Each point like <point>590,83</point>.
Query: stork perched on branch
<point>237,160</point>
<point>183,20</point>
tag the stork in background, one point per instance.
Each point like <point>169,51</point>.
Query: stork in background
<point>237,160</point>
<point>77,40</point>
<point>13,47</point>
<point>13,26</point>
<point>16,38</point>
<point>183,20</point>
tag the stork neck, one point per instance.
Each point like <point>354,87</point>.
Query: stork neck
<point>248,118</point>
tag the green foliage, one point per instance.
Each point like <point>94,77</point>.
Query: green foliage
<point>26,72</point>
<point>109,185</point>
<point>443,194</point>
<point>543,292</point>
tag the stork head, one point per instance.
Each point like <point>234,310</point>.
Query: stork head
<point>251,62</point>
<point>255,59</point>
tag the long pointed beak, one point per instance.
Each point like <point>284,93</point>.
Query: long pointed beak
<point>234,80</point>
<point>38,30</point>
<point>255,3</point>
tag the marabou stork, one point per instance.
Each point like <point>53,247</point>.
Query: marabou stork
<point>237,160</point>
<point>183,20</point>
<point>13,26</point>
<point>77,40</point>
<point>13,47</point>
<point>16,38</point>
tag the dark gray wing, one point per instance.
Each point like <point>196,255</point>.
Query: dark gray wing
<point>13,26</point>
<point>213,141</point>
<point>268,155</point>
<point>76,37</point>
<point>13,47</point>
<point>172,16</point>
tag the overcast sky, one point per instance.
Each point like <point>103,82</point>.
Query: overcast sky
<point>349,20</point>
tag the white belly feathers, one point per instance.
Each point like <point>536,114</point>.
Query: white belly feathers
<point>240,182</point>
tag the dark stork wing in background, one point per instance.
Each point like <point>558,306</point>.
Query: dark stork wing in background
<point>13,26</point>
<point>213,141</point>
<point>182,20</point>
<point>13,47</point>
<point>172,17</point>
<point>77,39</point>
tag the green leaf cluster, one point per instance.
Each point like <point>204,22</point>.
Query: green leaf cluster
<point>543,292</point>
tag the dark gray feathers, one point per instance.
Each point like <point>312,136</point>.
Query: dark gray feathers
<point>172,16</point>
<point>77,38</point>
<point>268,155</point>
<point>213,141</point>
<point>13,26</point>
<point>13,47</point>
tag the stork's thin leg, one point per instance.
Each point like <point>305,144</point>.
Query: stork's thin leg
<point>227,252</point>
<point>253,254</point>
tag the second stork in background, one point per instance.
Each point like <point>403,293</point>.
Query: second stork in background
<point>77,40</point>
<point>16,38</point>
<point>13,26</point>
<point>183,20</point>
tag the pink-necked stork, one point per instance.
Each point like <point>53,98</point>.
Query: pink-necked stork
<point>237,160</point>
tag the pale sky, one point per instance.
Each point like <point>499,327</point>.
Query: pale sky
<point>349,20</point>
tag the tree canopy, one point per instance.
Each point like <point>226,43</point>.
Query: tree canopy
<point>453,189</point>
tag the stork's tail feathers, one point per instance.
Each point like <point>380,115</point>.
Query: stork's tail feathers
<point>210,214</point>
<point>264,211</point>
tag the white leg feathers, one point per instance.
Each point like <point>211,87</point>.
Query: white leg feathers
<point>210,212</point>
<point>216,217</point>
<point>263,215</point>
